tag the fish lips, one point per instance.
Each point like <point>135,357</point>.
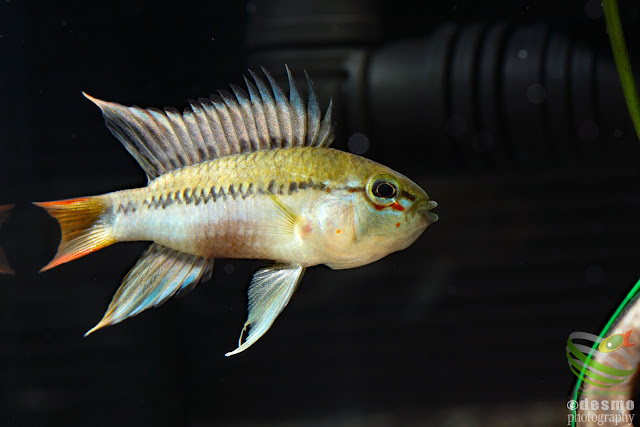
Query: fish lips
<point>424,209</point>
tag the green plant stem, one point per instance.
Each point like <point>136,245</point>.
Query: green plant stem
<point>621,56</point>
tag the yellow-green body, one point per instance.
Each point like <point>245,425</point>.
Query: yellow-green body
<point>231,207</point>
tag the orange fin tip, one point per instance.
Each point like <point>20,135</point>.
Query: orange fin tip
<point>83,227</point>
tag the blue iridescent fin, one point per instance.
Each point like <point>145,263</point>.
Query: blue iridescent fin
<point>158,275</point>
<point>270,291</point>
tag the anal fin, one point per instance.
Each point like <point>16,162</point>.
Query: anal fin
<point>158,275</point>
<point>270,291</point>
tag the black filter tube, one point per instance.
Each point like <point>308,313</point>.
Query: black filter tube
<point>494,95</point>
<point>473,96</point>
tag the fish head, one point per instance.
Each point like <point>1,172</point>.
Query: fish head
<point>388,215</point>
<point>393,211</point>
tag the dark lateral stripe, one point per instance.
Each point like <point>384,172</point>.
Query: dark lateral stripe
<point>195,197</point>
<point>126,208</point>
<point>199,195</point>
<point>271,188</point>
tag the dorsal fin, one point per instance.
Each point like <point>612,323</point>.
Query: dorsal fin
<point>221,125</point>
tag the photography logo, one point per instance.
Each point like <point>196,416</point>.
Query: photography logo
<point>614,364</point>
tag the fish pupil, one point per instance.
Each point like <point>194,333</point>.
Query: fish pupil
<point>384,190</point>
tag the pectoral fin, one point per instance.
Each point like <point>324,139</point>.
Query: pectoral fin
<point>269,293</point>
<point>287,217</point>
<point>158,275</point>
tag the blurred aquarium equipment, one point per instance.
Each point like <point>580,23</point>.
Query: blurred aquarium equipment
<point>481,95</point>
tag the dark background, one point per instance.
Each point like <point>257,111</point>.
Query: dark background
<point>532,161</point>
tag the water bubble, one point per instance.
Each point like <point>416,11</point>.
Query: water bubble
<point>229,268</point>
<point>617,133</point>
<point>593,9</point>
<point>358,143</point>
<point>522,54</point>
<point>536,93</point>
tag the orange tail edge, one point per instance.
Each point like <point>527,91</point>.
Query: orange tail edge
<point>83,227</point>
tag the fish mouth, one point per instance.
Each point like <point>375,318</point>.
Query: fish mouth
<point>424,209</point>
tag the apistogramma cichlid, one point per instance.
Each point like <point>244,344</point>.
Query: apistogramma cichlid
<point>244,176</point>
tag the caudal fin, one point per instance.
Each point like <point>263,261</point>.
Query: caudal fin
<point>4,264</point>
<point>84,227</point>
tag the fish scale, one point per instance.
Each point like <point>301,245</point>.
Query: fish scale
<point>250,177</point>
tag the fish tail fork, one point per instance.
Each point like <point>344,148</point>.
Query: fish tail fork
<point>84,226</point>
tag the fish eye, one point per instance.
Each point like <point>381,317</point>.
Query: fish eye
<point>384,189</point>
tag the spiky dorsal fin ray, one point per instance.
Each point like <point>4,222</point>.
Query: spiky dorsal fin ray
<point>157,276</point>
<point>222,125</point>
<point>269,292</point>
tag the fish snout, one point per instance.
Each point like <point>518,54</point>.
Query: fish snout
<point>424,209</point>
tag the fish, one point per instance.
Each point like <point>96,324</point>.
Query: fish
<point>5,268</point>
<point>247,175</point>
